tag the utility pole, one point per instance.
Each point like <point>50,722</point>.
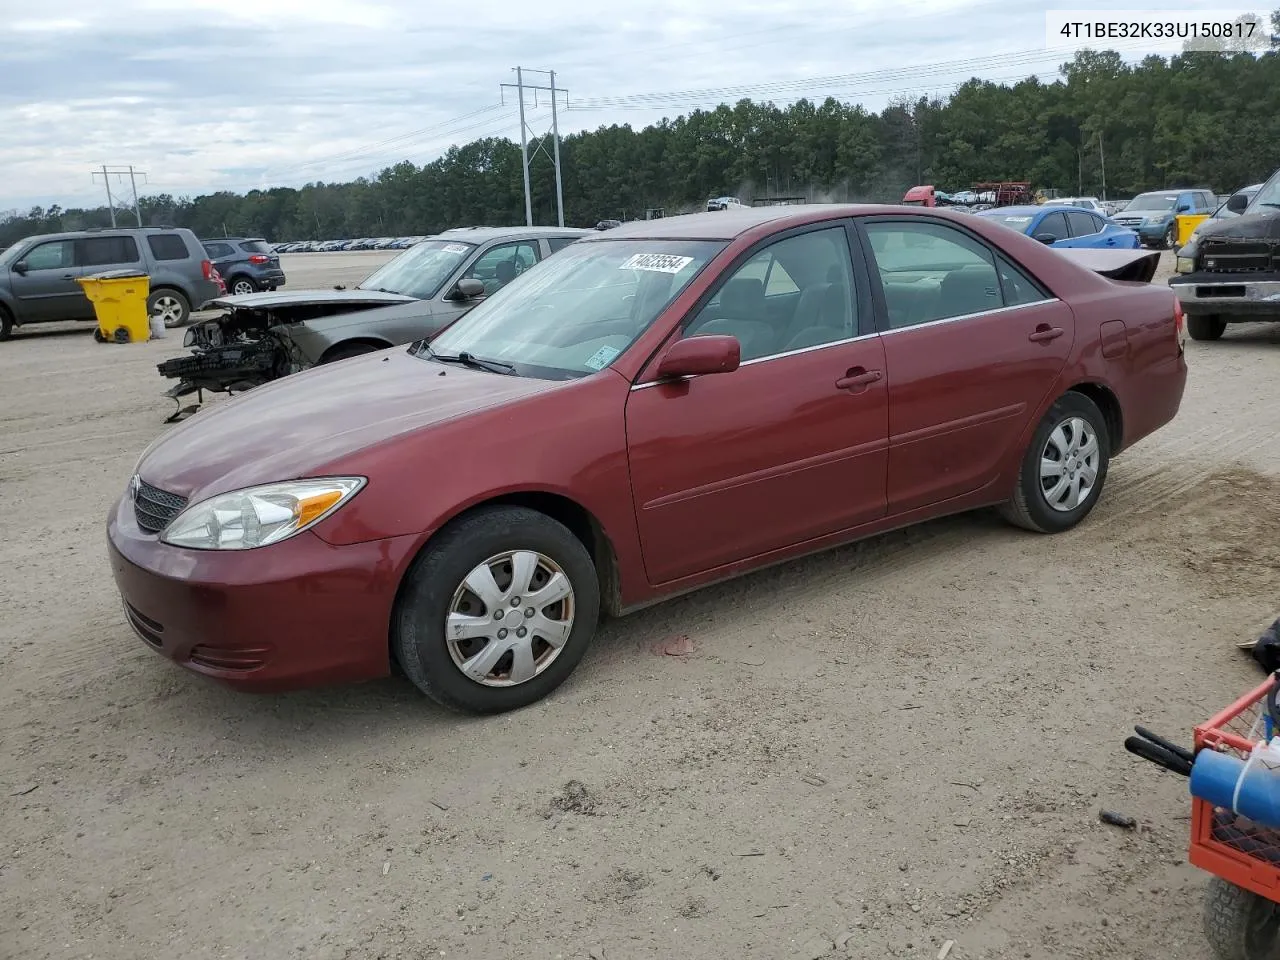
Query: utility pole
<point>1102,159</point>
<point>107,173</point>
<point>520,86</point>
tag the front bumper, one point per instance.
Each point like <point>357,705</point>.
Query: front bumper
<point>299,613</point>
<point>1204,292</point>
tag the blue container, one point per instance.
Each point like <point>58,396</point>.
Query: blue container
<point>1213,779</point>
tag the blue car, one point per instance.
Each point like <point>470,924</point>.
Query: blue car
<point>1065,226</point>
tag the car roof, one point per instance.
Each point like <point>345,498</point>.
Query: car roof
<point>730,224</point>
<point>95,231</point>
<point>485,234</point>
<point>1025,210</point>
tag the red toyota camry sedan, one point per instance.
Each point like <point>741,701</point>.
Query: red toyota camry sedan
<point>664,405</point>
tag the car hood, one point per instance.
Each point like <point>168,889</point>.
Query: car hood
<point>1262,225</point>
<point>296,426</point>
<point>283,298</point>
<point>414,309</point>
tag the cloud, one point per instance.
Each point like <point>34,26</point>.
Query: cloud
<point>205,95</point>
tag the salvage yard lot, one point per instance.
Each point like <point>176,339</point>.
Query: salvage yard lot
<point>888,746</point>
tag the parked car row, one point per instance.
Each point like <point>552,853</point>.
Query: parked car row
<point>332,246</point>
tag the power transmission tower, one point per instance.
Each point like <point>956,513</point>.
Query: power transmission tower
<point>106,173</point>
<point>520,86</point>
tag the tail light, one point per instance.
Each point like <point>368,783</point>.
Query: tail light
<point>259,258</point>
<point>1180,322</point>
<point>207,267</point>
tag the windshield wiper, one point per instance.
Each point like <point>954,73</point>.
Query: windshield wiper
<point>470,360</point>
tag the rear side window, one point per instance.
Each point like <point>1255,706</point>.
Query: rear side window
<point>167,246</point>
<point>559,243</point>
<point>217,251</point>
<point>255,246</point>
<point>106,251</point>
<point>1082,224</point>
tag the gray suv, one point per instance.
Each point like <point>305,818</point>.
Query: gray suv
<point>38,274</point>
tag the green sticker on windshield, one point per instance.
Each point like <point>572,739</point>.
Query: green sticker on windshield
<point>602,358</point>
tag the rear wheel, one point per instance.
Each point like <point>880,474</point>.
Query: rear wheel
<point>1239,924</point>
<point>239,286</point>
<point>6,324</point>
<point>1206,327</point>
<point>1063,469</point>
<point>497,611</point>
<point>169,306</point>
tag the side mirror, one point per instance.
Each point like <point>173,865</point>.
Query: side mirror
<point>468,289</point>
<point>696,356</point>
<point>1046,238</point>
<point>20,267</point>
<point>1236,203</point>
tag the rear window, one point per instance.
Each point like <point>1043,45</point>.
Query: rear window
<point>167,246</point>
<point>255,246</point>
<point>106,251</point>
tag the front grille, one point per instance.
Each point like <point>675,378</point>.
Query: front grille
<point>155,508</point>
<point>1237,256</point>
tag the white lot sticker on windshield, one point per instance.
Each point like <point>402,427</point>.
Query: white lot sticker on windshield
<point>456,248</point>
<point>601,358</point>
<point>1017,219</point>
<point>657,263</point>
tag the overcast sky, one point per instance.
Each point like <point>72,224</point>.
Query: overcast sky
<point>205,95</point>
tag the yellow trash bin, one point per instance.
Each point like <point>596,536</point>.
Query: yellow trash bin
<point>119,299</point>
<point>1187,223</point>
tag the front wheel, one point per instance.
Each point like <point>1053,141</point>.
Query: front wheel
<point>1064,468</point>
<point>497,611</point>
<point>1239,924</point>
<point>169,306</point>
<point>1171,237</point>
<point>6,324</point>
<point>1204,327</point>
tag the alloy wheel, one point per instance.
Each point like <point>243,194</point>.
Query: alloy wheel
<point>510,618</point>
<point>168,309</point>
<point>242,287</point>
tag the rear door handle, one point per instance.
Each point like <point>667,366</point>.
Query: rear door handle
<point>857,377</point>
<point>1044,333</point>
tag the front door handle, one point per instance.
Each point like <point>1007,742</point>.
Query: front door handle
<point>857,377</point>
<point>1045,333</point>
<point>68,276</point>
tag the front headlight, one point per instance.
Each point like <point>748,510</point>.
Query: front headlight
<point>258,516</point>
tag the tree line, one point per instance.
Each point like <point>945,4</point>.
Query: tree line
<point>1193,119</point>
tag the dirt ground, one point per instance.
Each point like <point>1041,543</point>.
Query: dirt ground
<point>883,748</point>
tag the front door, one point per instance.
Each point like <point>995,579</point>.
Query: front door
<point>788,447</point>
<point>972,346</point>
<point>46,288</point>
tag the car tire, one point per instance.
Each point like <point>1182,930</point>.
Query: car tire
<point>1239,924</point>
<point>1074,421</point>
<point>507,542</point>
<point>1171,237</point>
<point>6,324</point>
<point>170,306</point>
<point>235,284</point>
<point>348,350</point>
<point>1206,327</point>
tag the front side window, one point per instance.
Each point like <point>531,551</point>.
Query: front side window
<point>580,310</point>
<point>933,272</point>
<point>1268,195</point>
<point>56,255</point>
<point>1054,225</point>
<point>797,292</point>
<point>421,270</point>
<point>497,267</point>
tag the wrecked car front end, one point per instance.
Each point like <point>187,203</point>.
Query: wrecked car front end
<point>256,339</point>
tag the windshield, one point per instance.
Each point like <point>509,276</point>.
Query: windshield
<point>1018,222</point>
<point>421,270</point>
<point>1152,201</point>
<point>580,309</point>
<point>1268,196</point>
<point>9,252</point>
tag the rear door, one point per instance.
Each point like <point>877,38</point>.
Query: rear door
<point>222,254</point>
<point>972,346</point>
<point>44,282</point>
